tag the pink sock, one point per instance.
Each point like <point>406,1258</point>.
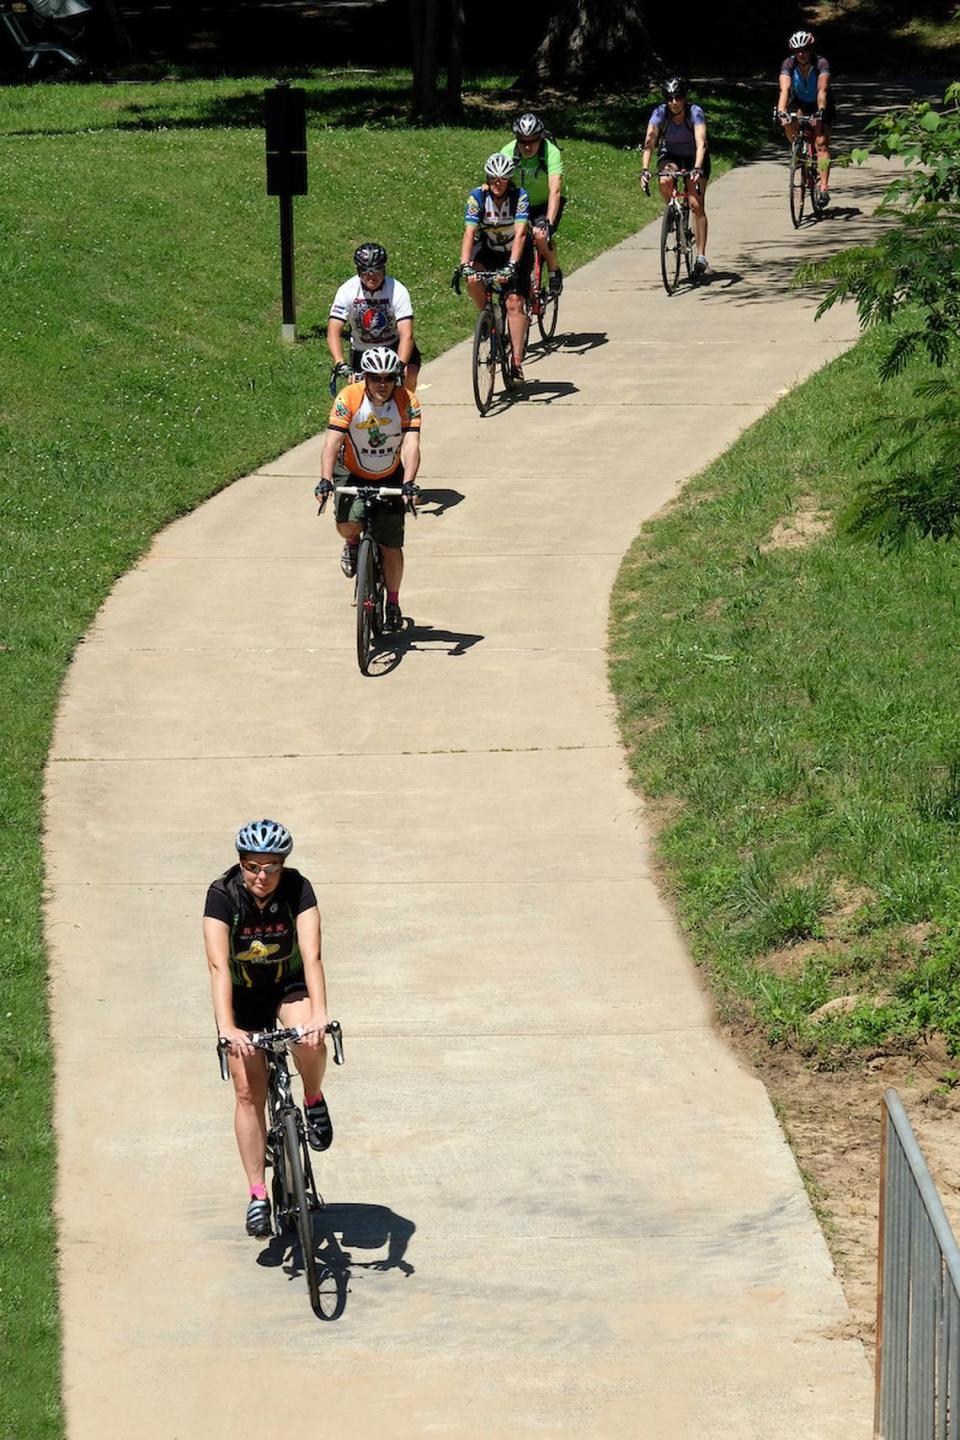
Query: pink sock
<point>313,1099</point>
<point>258,1192</point>
<point>394,597</point>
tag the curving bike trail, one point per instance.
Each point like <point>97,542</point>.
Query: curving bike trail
<point>570,1209</point>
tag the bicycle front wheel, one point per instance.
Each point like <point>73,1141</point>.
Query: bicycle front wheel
<point>798,187</point>
<point>547,313</point>
<point>505,349</point>
<point>484,361</point>
<point>331,1292</point>
<point>298,1188</point>
<point>366,603</point>
<point>670,249</point>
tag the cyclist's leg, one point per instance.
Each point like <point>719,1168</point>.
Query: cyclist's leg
<point>387,528</point>
<point>483,260</point>
<point>518,320</point>
<point>665,169</point>
<point>310,1063</point>
<point>252,1011</point>
<point>822,141</point>
<point>698,192</point>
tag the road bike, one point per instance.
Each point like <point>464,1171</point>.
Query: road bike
<point>491,340</point>
<point>804,171</point>
<point>544,302</point>
<point>295,1194</point>
<point>677,241</point>
<point>370,591</point>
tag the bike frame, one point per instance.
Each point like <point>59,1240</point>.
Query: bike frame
<point>679,206</point>
<point>803,157</point>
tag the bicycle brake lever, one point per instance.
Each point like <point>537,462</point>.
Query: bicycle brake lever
<point>336,1035</point>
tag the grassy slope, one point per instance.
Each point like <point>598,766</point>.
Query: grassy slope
<point>795,710</point>
<point>140,371</point>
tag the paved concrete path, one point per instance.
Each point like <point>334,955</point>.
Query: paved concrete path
<point>594,1224</point>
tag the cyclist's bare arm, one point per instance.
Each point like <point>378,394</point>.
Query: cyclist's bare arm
<point>405,339</point>
<point>520,231</point>
<point>410,455</point>
<point>331,449</point>
<point>554,194</point>
<point>335,340</point>
<point>649,144</point>
<point>466,248</point>
<point>216,940</point>
<point>308,938</point>
<point>700,137</point>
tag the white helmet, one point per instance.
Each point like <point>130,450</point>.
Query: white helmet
<point>381,361</point>
<point>801,40</point>
<point>499,167</point>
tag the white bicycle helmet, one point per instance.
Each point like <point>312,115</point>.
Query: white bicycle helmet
<point>264,837</point>
<point>800,40</point>
<point>528,126</point>
<point>499,167</point>
<point>380,361</point>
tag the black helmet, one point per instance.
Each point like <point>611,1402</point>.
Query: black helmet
<point>675,88</point>
<point>370,256</point>
<point>528,126</point>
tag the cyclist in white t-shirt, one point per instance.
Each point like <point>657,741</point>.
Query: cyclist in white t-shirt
<point>378,311</point>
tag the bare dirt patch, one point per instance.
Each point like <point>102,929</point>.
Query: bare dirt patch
<point>807,523</point>
<point>832,1120</point>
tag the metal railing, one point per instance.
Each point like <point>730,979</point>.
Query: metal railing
<point>918,1294</point>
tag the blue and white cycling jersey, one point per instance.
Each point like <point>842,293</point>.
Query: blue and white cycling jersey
<point>676,136</point>
<point>803,88</point>
<point>497,220</point>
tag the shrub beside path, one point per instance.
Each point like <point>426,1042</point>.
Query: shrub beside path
<point>591,1221</point>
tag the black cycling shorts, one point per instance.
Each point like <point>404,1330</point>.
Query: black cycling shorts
<point>255,1007</point>
<point>682,162</point>
<point>485,259</point>
<point>537,212</point>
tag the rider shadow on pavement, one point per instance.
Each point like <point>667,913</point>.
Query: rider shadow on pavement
<point>544,392</point>
<point>339,1231</point>
<point>578,343</point>
<point>439,501</point>
<point>391,649</point>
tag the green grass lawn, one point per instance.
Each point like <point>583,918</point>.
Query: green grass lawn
<point>142,370</point>
<point>794,711</point>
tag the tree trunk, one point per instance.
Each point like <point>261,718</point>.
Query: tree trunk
<point>592,43</point>
<point>423,52</point>
<point>454,105</point>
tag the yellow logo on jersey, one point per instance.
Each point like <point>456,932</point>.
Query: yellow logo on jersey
<point>258,951</point>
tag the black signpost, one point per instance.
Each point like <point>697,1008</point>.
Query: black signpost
<point>285,117</point>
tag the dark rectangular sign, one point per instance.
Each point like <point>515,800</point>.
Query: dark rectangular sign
<point>285,116</point>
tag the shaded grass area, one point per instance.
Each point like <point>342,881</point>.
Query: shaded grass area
<point>142,371</point>
<point>791,701</point>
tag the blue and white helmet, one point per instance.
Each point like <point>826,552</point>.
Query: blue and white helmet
<point>264,837</point>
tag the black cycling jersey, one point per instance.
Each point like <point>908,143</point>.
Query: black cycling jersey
<point>263,943</point>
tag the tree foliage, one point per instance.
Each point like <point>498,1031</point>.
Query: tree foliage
<point>909,281</point>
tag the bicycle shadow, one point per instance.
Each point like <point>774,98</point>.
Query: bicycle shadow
<point>442,500</point>
<point>335,1227</point>
<point>391,649</point>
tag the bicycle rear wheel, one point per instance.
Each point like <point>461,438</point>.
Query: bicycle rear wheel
<point>366,603</point>
<point>293,1160</point>
<point>798,186</point>
<point>670,249</point>
<point>484,361</point>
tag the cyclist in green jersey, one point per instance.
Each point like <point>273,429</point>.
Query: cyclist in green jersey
<point>539,170</point>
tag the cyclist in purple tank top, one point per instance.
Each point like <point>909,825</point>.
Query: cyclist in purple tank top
<point>678,131</point>
<point>805,90</point>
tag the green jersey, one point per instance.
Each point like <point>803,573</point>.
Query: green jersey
<point>533,175</point>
